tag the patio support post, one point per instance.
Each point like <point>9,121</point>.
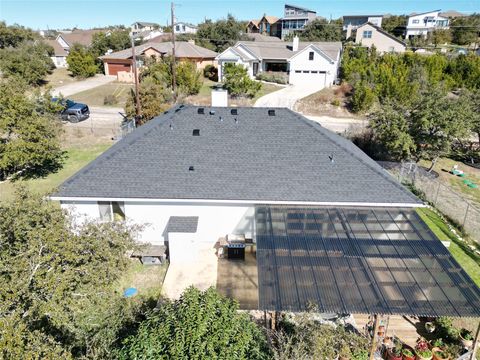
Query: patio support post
<point>475,343</point>
<point>374,337</point>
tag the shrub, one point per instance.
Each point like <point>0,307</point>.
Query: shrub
<point>363,98</point>
<point>81,63</point>
<point>110,100</point>
<point>335,102</point>
<point>210,72</point>
<point>238,83</point>
<point>279,78</point>
<point>200,325</point>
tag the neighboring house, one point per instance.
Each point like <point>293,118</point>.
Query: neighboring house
<point>295,18</point>
<point>252,27</point>
<point>270,26</point>
<point>452,14</point>
<point>264,38</point>
<point>304,62</point>
<point>327,226</point>
<point>185,28</point>
<point>370,35</point>
<point>121,61</point>
<point>352,22</point>
<point>422,24</point>
<point>65,40</point>
<point>143,27</point>
<point>59,56</point>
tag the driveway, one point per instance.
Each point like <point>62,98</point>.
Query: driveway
<point>79,86</point>
<point>339,125</point>
<point>288,96</point>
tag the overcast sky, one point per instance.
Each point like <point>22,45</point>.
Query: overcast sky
<point>43,14</point>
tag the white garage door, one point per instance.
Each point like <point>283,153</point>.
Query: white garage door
<point>307,77</point>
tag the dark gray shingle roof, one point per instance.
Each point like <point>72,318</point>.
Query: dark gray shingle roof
<point>260,157</point>
<point>182,224</point>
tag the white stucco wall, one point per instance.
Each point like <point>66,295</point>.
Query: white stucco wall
<point>319,63</point>
<point>382,42</point>
<point>215,220</point>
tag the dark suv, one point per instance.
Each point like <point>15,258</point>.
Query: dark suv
<point>72,111</point>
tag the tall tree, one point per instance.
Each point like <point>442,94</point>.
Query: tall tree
<point>81,62</point>
<point>221,34</point>
<point>29,134</point>
<point>321,30</point>
<point>55,303</point>
<point>14,35</point>
<point>466,29</point>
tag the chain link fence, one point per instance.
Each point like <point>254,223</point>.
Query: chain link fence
<point>444,198</point>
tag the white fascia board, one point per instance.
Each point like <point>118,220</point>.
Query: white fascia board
<point>312,46</point>
<point>242,202</point>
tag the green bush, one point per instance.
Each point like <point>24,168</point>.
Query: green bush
<point>81,63</point>
<point>210,72</point>
<point>279,78</point>
<point>363,98</point>
<point>110,100</point>
<point>200,325</point>
<point>237,81</point>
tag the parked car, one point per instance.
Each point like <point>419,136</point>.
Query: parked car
<point>72,111</point>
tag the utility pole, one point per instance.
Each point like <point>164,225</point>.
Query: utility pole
<point>138,109</point>
<point>174,70</point>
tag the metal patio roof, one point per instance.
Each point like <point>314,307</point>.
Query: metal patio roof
<point>357,260</point>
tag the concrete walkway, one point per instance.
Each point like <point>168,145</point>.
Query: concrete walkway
<point>288,96</point>
<point>79,86</point>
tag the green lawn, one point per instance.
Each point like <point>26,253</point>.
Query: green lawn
<point>96,96</point>
<point>77,158</point>
<point>59,77</point>
<point>147,279</point>
<point>460,251</point>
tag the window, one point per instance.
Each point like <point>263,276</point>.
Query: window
<point>311,54</point>
<point>268,28</point>
<point>183,27</point>
<point>177,27</point>
<point>111,210</point>
<point>416,21</point>
<point>367,34</point>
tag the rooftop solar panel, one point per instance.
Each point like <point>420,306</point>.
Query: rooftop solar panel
<point>358,260</point>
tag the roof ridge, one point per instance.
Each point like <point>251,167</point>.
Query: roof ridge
<point>371,164</point>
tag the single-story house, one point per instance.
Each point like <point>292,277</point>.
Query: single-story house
<point>59,56</point>
<point>121,61</point>
<point>370,35</point>
<point>303,61</point>
<point>327,224</point>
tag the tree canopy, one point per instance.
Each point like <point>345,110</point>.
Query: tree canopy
<point>321,30</point>
<point>29,132</point>
<point>55,303</point>
<point>221,34</point>
<point>81,62</point>
<point>14,35</point>
<point>237,81</point>
<point>200,325</point>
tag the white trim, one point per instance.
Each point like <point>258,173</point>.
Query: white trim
<point>246,202</point>
<point>317,49</point>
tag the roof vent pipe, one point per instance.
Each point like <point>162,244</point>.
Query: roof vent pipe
<point>295,43</point>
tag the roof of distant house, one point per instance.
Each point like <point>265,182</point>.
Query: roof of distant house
<point>254,22</point>
<point>283,50</point>
<point>361,15</point>
<point>423,13</point>
<point>381,31</point>
<point>262,38</point>
<point>270,19</point>
<point>258,154</point>
<point>183,49</point>
<point>187,24</point>
<point>300,8</point>
<point>144,23</point>
<point>82,37</point>
<point>58,50</point>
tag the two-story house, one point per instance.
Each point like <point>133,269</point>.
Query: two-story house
<point>141,27</point>
<point>185,28</point>
<point>295,18</point>
<point>352,22</point>
<point>422,24</point>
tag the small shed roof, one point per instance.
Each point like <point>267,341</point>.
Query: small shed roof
<point>182,224</point>
<point>358,260</point>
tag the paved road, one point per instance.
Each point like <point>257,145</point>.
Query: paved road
<point>103,122</point>
<point>79,86</point>
<point>288,96</point>
<point>339,125</point>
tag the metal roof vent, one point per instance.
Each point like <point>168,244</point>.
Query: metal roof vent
<point>212,112</point>
<point>171,127</point>
<point>191,168</point>
<point>221,119</point>
<point>271,112</point>
<point>196,132</point>
<point>234,111</point>
<point>177,110</point>
<point>236,121</point>
<point>332,160</point>
<point>201,111</point>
